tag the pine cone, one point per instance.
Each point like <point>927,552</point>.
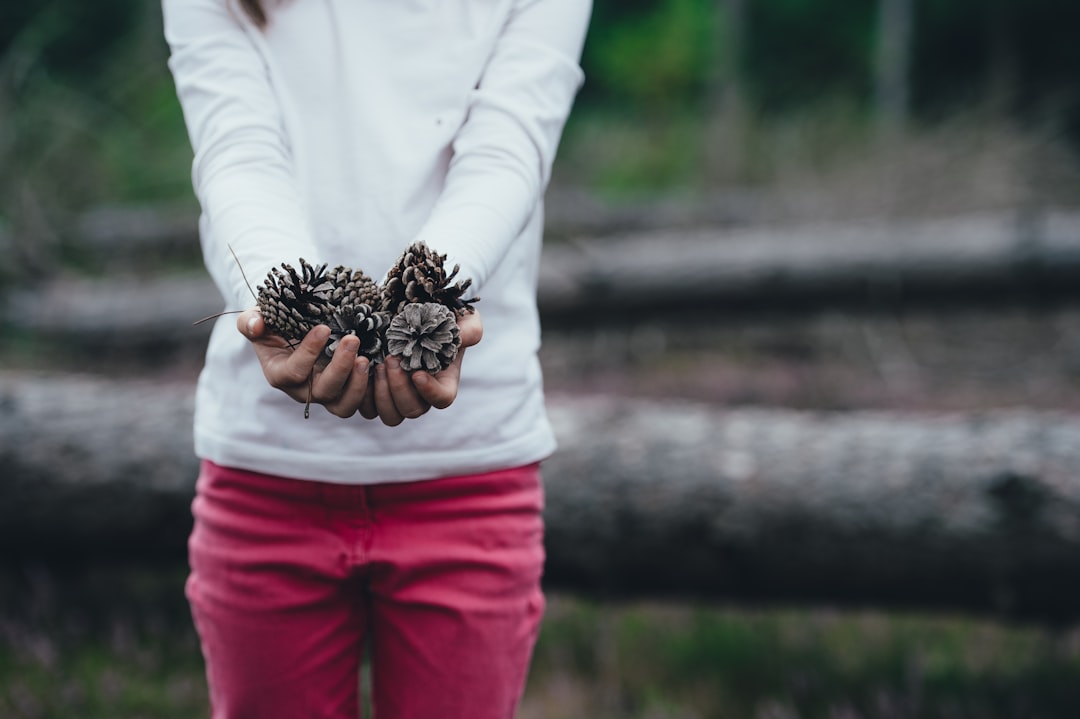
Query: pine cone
<point>292,303</point>
<point>420,276</point>
<point>353,287</point>
<point>424,336</point>
<point>362,321</point>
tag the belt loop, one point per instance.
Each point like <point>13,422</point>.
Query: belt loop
<point>366,510</point>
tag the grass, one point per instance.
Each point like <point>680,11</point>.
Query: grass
<point>116,642</point>
<point>651,661</point>
<point>101,642</point>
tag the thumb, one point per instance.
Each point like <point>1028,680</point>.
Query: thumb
<point>250,324</point>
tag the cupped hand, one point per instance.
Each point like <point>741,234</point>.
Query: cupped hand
<point>341,385</point>
<point>398,395</point>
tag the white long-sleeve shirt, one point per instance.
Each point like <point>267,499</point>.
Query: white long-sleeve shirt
<point>340,133</point>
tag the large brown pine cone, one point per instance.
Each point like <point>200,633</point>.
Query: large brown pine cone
<point>420,276</point>
<point>293,302</point>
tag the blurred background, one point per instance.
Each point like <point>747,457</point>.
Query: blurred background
<point>821,206</point>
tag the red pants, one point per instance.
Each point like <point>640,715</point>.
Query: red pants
<point>440,579</point>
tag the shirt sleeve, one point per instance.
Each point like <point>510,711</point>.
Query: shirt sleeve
<point>503,154</point>
<point>243,171</point>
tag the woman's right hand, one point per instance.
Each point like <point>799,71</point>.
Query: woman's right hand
<point>341,386</point>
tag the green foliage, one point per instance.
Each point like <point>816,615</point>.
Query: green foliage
<point>88,116</point>
<point>66,37</point>
<point>90,124</point>
<point>660,54</point>
<point>658,59</point>
<point>676,660</point>
<point>624,156</point>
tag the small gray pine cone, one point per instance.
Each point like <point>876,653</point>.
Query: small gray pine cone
<point>424,336</point>
<point>362,321</point>
<point>420,276</point>
<point>293,302</point>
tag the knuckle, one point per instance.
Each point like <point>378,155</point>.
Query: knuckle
<point>341,411</point>
<point>323,398</point>
<point>280,382</point>
<point>293,376</point>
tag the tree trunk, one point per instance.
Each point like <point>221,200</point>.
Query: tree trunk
<point>726,121</point>
<point>893,65</point>
<point>976,513</point>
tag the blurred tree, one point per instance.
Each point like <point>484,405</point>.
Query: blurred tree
<point>951,55</point>
<point>1047,58</point>
<point>726,96</point>
<point>1018,54</point>
<point>800,52</point>
<point>893,63</point>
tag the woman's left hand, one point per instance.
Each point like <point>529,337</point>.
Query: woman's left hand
<point>398,395</point>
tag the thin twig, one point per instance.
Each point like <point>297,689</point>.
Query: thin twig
<point>307,405</point>
<point>215,316</point>
<point>242,273</point>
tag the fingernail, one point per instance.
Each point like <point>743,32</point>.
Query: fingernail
<point>393,362</point>
<point>251,324</point>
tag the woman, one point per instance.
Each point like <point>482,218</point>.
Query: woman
<point>341,131</point>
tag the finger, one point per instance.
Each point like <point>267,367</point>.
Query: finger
<point>250,323</point>
<point>301,362</point>
<point>384,403</point>
<point>330,381</point>
<point>408,401</point>
<point>471,328</point>
<point>367,406</point>
<point>354,394</point>
<point>440,390</point>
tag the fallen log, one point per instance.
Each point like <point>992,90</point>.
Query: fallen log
<point>976,513</point>
<point>137,236</point>
<point>144,235</point>
<point>94,468</point>
<point>957,258</point>
<point>118,312</point>
<point>627,277</point>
